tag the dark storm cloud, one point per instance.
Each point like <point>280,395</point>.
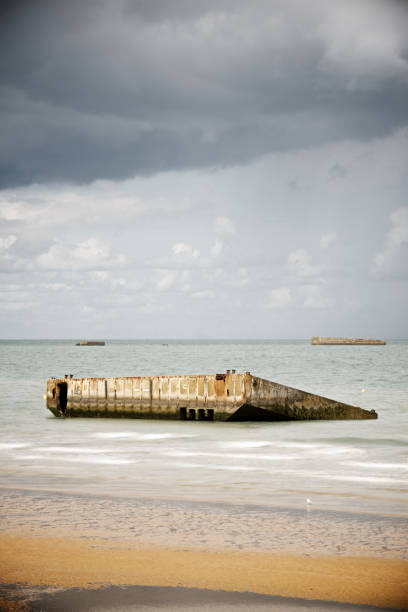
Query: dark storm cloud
<point>115,89</point>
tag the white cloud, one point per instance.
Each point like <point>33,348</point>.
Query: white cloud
<point>117,282</point>
<point>206,294</point>
<point>8,259</point>
<point>91,254</point>
<point>10,211</point>
<point>48,206</point>
<point>313,296</point>
<point>185,250</point>
<point>212,275</point>
<point>364,61</point>
<point>87,309</point>
<point>241,280</point>
<point>166,279</point>
<point>279,298</point>
<point>7,242</point>
<point>18,295</point>
<point>99,276</point>
<point>300,264</point>
<point>150,307</point>
<point>14,297</point>
<point>327,239</point>
<point>224,226</point>
<point>170,278</point>
<point>90,250</point>
<point>56,286</point>
<point>15,306</point>
<point>217,248</point>
<point>300,219</point>
<point>185,280</point>
<point>392,261</point>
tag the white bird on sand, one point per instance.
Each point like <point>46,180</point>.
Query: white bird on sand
<point>308,501</point>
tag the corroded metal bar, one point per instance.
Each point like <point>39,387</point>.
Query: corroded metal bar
<point>220,397</point>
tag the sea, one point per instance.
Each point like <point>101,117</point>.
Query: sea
<point>333,466</point>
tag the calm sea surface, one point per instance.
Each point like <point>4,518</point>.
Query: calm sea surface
<point>357,466</point>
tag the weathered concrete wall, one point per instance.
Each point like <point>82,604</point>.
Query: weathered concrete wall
<point>218,397</point>
<point>287,403</point>
<point>324,340</point>
<point>152,397</point>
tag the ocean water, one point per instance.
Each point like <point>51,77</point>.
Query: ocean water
<point>350,466</point>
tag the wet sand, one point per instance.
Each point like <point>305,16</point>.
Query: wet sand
<point>173,599</point>
<point>51,544</point>
<point>65,563</point>
<point>151,523</point>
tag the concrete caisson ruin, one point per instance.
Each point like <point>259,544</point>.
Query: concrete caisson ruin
<point>322,340</point>
<point>204,397</point>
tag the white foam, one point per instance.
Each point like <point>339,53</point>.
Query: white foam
<point>80,459</point>
<point>245,444</point>
<point>327,450</point>
<point>30,457</point>
<point>71,450</point>
<point>234,468</point>
<point>141,437</point>
<point>112,434</point>
<point>181,464</point>
<point>283,444</point>
<point>183,454</point>
<point>98,460</point>
<point>217,467</point>
<point>376,465</point>
<point>320,449</point>
<point>269,457</point>
<point>12,445</point>
<point>368,479</point>
<point>227,456</point>
<point>165,436</point>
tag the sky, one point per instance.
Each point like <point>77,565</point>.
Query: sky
<point>205,169</point>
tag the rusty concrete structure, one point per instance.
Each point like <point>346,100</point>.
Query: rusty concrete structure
<point>353,341</point>
<point>204,397</point>
<point>91,343</point>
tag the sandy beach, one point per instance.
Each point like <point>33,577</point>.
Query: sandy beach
<point>67,563</point>
<point>51,544</point>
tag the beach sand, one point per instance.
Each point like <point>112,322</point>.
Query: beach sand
<point>70,544</point>
<point>67,563</point>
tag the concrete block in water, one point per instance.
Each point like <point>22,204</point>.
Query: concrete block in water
<point>321,340</point>
<point>203,397</point>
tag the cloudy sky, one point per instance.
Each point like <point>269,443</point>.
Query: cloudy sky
<point>203,169</point>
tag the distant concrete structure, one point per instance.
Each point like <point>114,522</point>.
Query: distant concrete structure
<point>203,397</point>
<point>325,340</point>
<point>90,343</point>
